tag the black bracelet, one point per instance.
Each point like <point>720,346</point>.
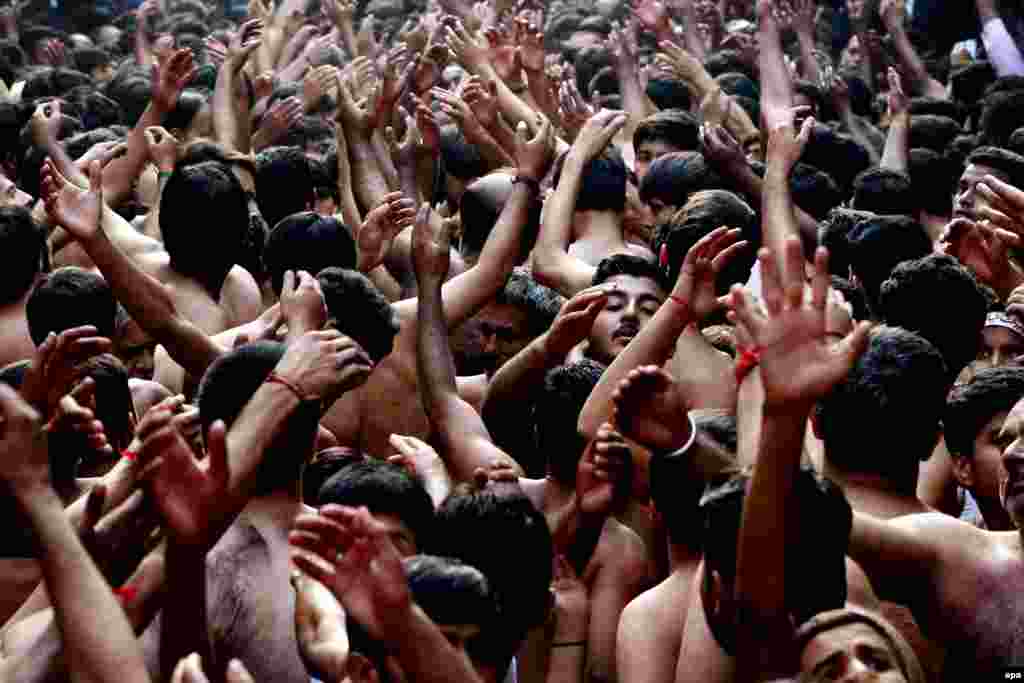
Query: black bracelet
<point>529,182</point>
<point>572,643</point>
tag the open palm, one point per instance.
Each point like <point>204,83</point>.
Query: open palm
<point>77,210</point>
<point>650,410</point>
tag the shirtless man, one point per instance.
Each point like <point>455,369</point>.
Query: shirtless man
<point>582,222</point>
<point>25,259</point>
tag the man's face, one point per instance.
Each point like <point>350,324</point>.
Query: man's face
<point>851,56</point>
<point>637,218</point>
<point>999,346</point>
<point>986,467</point>
<point>400,534</point>
<point>135,349</point>
<point>503,331</point>
<point>10,195</point>
<point>854,652</point>
<point>1011,485</point>
<point>648,152</point>
<point>630,305</point>
<point>581,40</point>
<point>967,200</point>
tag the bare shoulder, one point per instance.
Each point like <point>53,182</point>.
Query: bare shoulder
<point>947,534</point>
<point>622,547</point>
<point>240,296</point>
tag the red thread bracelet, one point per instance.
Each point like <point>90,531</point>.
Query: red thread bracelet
<point>274,378</point>
<point>748,360</point>
<point>128,454</point>
<point>678,300</point>
<point>126,593</point>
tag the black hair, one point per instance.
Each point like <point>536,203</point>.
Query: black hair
<point>461,158</point>
<point>883,191</point>
<point>25,252</point>
<point>675,127</point>
<point>705,212</point>
<point>970,406</point>
<point>933,132</point>
<point>451,592</point>
<point>727,61</point>
<point>324,185</point>
<point>627,264</point>
<point>589,61</point>
<point>813,190</point>
<point>673,178</point>
<point>77,145</point>
<point>812,92</point>
<point>853,295</point>
<point>932,179</point>
<point>114,405</point>
<point>359,310</point>
<point>556,411</point>
<point>196,198</point>
<point>383,489</point>
<point>500,532</point>
<point>540,303</point>
<point>96,109</point>
<point>131,90</point>
<point>229,384</point>
<point>188,105</point>
<point>941,300</point>
<point>68,298</point>
<point>1016,141</point>
<point>735,83</point>
<point>879,243</point>
<point>284,184</point>
<point>669,94</point>
<point>838,155</point>
<point>834,234</point>
<point>310,242</point>
<point>961,148</point>
<point>603,182</point>
<point>813,585</point>
<point>898,388</point>
<point>1001,160</point>
<point>924,106</point>
<point>1000,116</point>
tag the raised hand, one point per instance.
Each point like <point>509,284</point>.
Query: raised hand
<point>1005,204</point>
<point>320,629</point>
<point>78,211</point>
<point>798,364</point>
<point>431,246</point>
<point>482,100</point>
<point>324,364</point>
<point>899,103</point>
<point>468,51</point>
<point>650,410</point>
<point>302,303</point>
<point>891,13</point>
<point>679,62</point>
<point>243,43</point>
<point>701,267</point>
<point>190,669</point>
<point>531,43</point>
<point>74,416</point>
<point>604,471</point>
<point>504,56</point>
<point>653,15</point>
<point>597,133</point>
<point>162,148</point>
<point>785,143</point>
<point>576,319</point>
<point>721,149</point>
<point>350,114</point>
<point>393,84</point>
<point>118,540</point>
<point>190,495</point>
<point>380,227</point>
<point>51,374</point>
<point>457,109</point>
<point>351,553</point>
<point>534,155</point>
<point>573,109</point>
<point>983,248</point>
<point>170,78</point>
<point>280,118</point>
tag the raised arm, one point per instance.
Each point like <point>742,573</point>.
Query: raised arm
<point>921,82</point>
<point>897,142</point>
<point>552,264</point>
<point>230,122</point>
<point>81,597</point>
<point>778,217</point>
<point>1000,46</point>
<point>693,299</point>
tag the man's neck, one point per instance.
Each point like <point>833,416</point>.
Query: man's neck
<point>278,507</point>
<point>682,556</point>
<point>868,489</point>
<point>598,228</point>
<point>934,225</point>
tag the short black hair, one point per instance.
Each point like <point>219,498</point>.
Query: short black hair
<point>589,62</point>
<point>826,516</point>
<point>556,411</point>
<point>879,243</point>
<point>229,384</point>
<point>310,242</point>
<point>540,303</point>
<point>853,295</point>
<point>932,179</point>
<point>603,182</point>
<point>838,155</point>
<point>68,298</point>
<point>668,93</point>
<point>813,190</point>
<point>1002,160</point>
<point>480,208</point>
<point>627,264</point>
<point>672,126</point>
<point>970,406</point>
<point>284,183</point>
<point>383,489</point>
<point>933,132</point>
<point>25,252</point>
<point>726,61</point>
<point>461,157</point>
<point>451,592</point>
<point>359,310</point>
<point>938,298</point>
<point>898,388</point>
<point>834,234</point>
<point>114,405</point>
<point>1000,116</point>
<point>883,191</point>
<point>934,106</point>
<point>89,58</point>
<point>195,198</point>
<point>673,178</point>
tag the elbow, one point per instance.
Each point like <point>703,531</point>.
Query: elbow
<point>545,267</point>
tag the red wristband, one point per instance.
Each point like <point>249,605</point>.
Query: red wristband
<point>274,378</point>
<point>747,361</point>
<point>129,454</point>
<point>126,593</point>
<point>679,300</point>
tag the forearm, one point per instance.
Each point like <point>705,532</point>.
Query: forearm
<point>778,219</point>
<point>539,87</point>
<point>503,135</point>
<point>183,624</point>
<point>434,361</point>
<point>371,187</point>
<point>510,391</point>
<point>809,62</point>
<point>511,105</point>
<point>64,163</point>
<point>227,126</point>
<point>82,598</point>
<point>1000,46</point>
<point>921,82</point>
<point>492,153</point>
<point>857,129</point>
<point>634,100</point>
<point>259,424</point>
<point>568,657</point>
<point>121,173</point>
<point>896,154</point>
<point>383,156</point>
<point>553,266</point>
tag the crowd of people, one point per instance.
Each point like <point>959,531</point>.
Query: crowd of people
<point>651,341</point>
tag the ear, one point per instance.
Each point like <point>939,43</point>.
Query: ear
<point>963,470</point>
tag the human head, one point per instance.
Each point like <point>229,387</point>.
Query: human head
<point>95,62</point>
<point>815,583</point>
<point>392,496</point>
<point>556,411</point>
<point>112,405</point>
<point>933,132</point>
<point>133,346</point>
<point>1003,164</point>
<point>673,178</point>
<point>228,385</point>
<point>941,300</point>
<point>310,242</point>
<point>462,161</point>
<point>204,220</point>
<point>898,386</point>
<point>932,179</point>
<point>972,424</point>
<point>603,183</point>
<point>637,293</point>
<point>672,130</point>
<point>23,246</point>
<point>1002,341</point>
<point>284,183</point>
<point>813,190</point>
<point>877,244</point>
<point>68,298</point>
<point>499,531</point>
<point>668,93</point>
<point>1000,116</point>
<point>883,191</point>
<point>357,309</point>
<point>838,155</point>
<point>854,644</point>
<point>480,207</point>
